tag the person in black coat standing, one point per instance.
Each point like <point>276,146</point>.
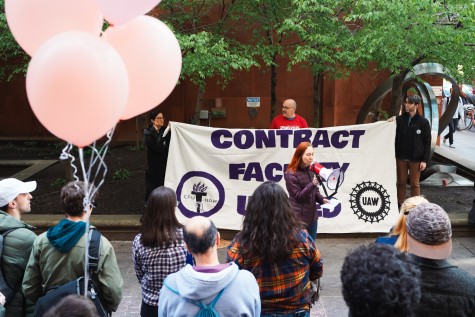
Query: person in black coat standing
<point>413,138</point>
<point>157,152</point>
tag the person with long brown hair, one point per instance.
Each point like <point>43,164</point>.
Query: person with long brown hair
<point>302,185</point>
<point>275,248</point>
<point>158,250</point>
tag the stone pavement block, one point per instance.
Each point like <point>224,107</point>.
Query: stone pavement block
<point>330,284</point>
<point>332,306</point>
<point>132,293</point>
<point>318,310</point>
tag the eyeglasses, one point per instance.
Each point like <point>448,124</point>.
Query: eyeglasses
<point>285,107</point>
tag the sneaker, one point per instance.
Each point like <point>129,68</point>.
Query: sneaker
<point>452,146</point>
<point>445,141</point>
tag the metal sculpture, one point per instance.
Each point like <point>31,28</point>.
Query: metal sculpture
<point>430,110</point>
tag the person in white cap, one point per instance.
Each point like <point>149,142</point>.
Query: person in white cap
<point>446,289</point>
<point>15,199</point>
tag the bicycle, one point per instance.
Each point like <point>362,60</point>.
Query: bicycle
<point>468,117</point>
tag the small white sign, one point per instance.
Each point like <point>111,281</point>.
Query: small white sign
<point>253,102</point>
<point>437,90</point>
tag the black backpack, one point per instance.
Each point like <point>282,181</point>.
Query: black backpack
<point>76,286</point>
<point>6,290</point>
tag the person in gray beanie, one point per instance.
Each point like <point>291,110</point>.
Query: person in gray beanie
<point>446,289</point>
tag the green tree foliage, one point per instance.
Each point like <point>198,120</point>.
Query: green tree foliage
<point>262,21</point>
<point>400,34</point>
<point>332,38</point>
<point>13,60</point>
<point>205,33</point>
<point>322,34</point>
<point>321,42</point>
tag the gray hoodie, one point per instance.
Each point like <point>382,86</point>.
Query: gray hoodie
<point>239,298</point>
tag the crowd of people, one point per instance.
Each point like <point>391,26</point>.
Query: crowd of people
<point>273,265</point>
<point>33,266</point>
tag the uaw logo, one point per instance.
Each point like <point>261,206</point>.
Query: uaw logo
<point>370,202</point>
<point>199,193</point>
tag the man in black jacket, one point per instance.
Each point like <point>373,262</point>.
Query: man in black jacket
<point>413,137</point>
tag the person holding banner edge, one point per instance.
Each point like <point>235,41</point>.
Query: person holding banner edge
<point>412,145</point>
<point>302,185</point>
<point>157,143</point>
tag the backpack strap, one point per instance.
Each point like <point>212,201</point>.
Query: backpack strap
<point>209,307</point>
<point>4,233</point>
<point>206,310</point>
<point>94,249</point>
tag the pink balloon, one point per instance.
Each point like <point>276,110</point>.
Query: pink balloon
<point>118,12</point>
<point>32,22</point>
<point>77,86</point>
<point>153,59</point>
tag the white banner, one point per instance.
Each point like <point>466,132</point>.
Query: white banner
<point>214,170</point>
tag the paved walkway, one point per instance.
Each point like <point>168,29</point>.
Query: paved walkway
<point>464,151</point>
<point>331,303</point>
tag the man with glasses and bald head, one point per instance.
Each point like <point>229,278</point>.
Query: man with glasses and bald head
<point>288,119</point>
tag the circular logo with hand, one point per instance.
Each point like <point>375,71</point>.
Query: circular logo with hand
<point>199,193</point>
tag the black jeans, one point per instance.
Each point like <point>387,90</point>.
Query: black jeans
<point>452,129</point>
<point>148,310</point>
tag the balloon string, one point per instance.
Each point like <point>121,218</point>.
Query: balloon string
<point>96,164</point>
<point>66,155</point>
<point>99,159</point>
<point>87,208</point>
<point>96,160</point>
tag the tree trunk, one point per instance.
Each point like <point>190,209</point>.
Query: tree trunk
<point>396,93</point>
<point>199,101</point>
<point>317,99</point>
<point>273,84</point>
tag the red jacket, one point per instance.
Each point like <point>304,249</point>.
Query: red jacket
<point>303,194</point>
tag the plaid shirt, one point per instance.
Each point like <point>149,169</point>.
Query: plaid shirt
<point>284,286</point>
<point>152,265</point>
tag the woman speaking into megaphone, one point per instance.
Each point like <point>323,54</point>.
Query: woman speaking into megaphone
<point>302,185</point>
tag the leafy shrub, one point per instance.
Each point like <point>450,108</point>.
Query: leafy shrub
<point>59,182</point>
<point>140,147</point>
<point>121,174</point>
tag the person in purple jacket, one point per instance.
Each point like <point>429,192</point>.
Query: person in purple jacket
<point>302,185</point>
